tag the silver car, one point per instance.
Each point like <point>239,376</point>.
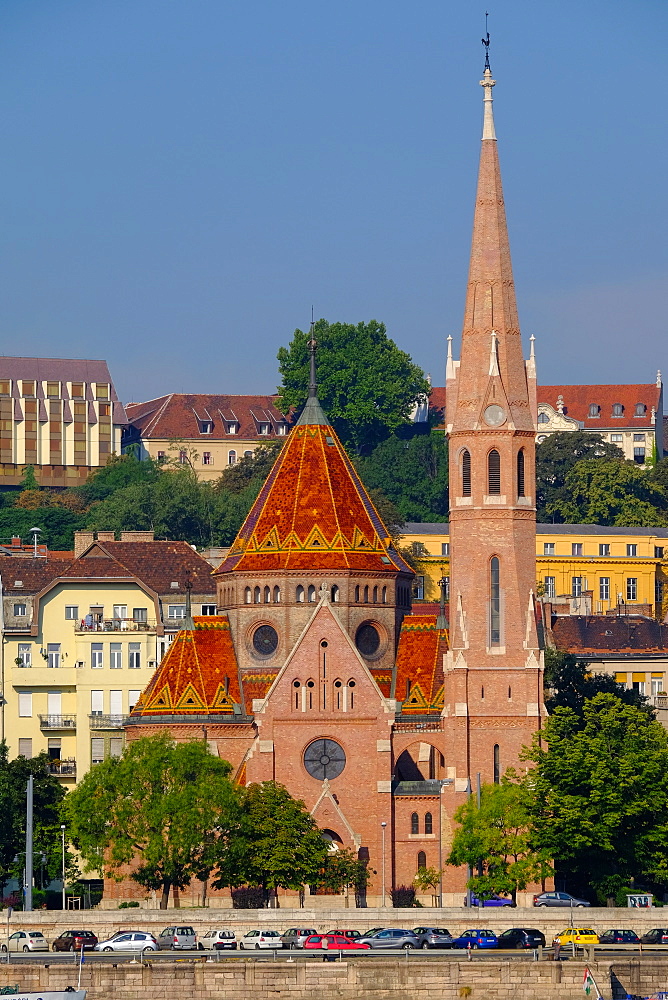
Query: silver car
<point>390,937</point>
<point>558,899</point>
<point>294,937</point>
<point>177,937</point>
<point>128,941</point>
<point>217,941</point>
<point>433,937</point>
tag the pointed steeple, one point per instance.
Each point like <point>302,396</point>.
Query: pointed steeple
<point>313,413</point>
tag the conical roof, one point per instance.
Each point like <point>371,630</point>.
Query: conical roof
<point>313,511</point>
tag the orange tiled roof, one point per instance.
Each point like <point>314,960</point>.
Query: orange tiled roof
<point>198,674</point>
<point>256,683</point>
<point>313,511</point>
<point>420,665</point>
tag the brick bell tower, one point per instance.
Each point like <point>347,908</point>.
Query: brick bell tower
<point>493,670</point>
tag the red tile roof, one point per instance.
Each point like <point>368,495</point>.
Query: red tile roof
<point>198,674</point>
<point>420,665</point>
<point>255,684</point>
<point>34,574</point>
<point>179,415</point>
<point>598,635</point>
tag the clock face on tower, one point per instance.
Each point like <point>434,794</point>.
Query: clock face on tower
<point>324,759</point>
<point>494,415</point>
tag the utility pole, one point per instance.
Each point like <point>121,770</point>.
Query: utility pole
<point>28,868</point>
<point>62,837</point>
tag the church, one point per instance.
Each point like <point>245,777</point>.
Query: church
<point>318,673</point>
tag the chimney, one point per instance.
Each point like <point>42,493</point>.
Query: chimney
<point>106,536</point>
<point>82,539</point>
<point>137,536</point>
<point>16,542</point>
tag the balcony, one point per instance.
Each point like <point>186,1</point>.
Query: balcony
<point>113,625</point>
<point>63,768</point>
<point>107,721</point>
<point>57,722</point>
<point>420,725</point>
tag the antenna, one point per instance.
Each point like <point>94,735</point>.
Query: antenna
<point>485,42</point>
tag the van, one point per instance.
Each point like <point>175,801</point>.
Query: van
<point>179,937</point>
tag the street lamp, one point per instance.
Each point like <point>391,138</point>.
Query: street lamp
<point>383,825</point>
<point>35,532</point>
<point>62,838</point>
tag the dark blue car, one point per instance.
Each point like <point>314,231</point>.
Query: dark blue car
<point>494,901</point>
<point>476,939</point>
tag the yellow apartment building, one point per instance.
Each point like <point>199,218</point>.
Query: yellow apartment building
<point>81,638</point>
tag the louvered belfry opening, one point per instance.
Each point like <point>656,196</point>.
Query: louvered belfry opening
<point>520,473</point>
<point>466,473</point>
<point>493,473</point>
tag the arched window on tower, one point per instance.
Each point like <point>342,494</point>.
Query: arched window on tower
<point>497,764</point>
<point>310,686</point>
<point>357,593</point>
<point>338,695</point>
<point>421,860</point>
<point>257,596</point>
<point>366,595</point>
<point>277,595</point>
<point>466,473</point>
<point>267,595</point>
<point>247,596</point>
<point>299,594</point>
<point>494,473</point>
<point>311,594</point>
<point>384,595</point>
<point>428,823</point>
<point>335,594</point>
<point>375,595</point>
<point>494,602</point>
<point>520,473</point>
<point>415,823</point>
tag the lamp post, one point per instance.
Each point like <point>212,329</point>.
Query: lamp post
<point>35,532</point>
<point>62,840</point>
<point>383,825</point>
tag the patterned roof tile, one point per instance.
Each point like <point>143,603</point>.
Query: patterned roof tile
<point>420,665</point>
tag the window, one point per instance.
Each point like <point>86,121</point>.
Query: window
<point>116,746</point>
<point>576,548</point>
<point>53,654</point>
<point>231,458</point>
<point>206,458</point>
<point>299,594</point>
<point>25,654</point>
<point>494,473</point>
<point>421,860</point>
<point>494,603</point>
<point>549,586</point>
<point>183,458</point>
<point>140,615</point>
<point>617,410</point>
<point>282,429</point>
<point>640,410</point>
<point>415,823</point>
<point>28,389</point>
<point>335,594</point>
<point>632,550</point>
<point>232,427</point>
<point>4,387</point>
<point>632,588</point>
<point>604,549</point>
<point>658,594</point>
<point>209,609</point>
<point>25,747</point>
<point>265,428</point>
<point>357,593</point>
<point>428,823</point>
<point>445,548</point>
<point>115,656</point>
<point>384,595</point>
<point>548,548</point>
<point>206,427</point>
<point>617,438</point>
<point>96,658</point>
<point>577,586</point>
<point>520,473</point>
<point>248,454</point>
<point>20,610</point>
<point>134,655</point>
<point>25,704</point>
<point>639,456</point>
<point>77,390</point>
<point>257,596</point>
<point>162,457</point>
<point>658,551</point>
<point>497,764</point>
<point>52,390</point>
<point>54,703</point>
<point>176,611</point>
<point>418,588</point>
<point>604,588</point>
<point>97,750</point>
<point>277,595</point>
<point>594,410</point>
<point>71,613</point>
<point>120,611</point>
<point>657,683</point>
<point>638,437</point>
<point>543,418</point>
<point>96,702</point>
<point>115,703</point>
<point>311,594</point>
<point>101,390</point>
<point>267,595</point>
<point>133,698</point>
<point>466,473</point>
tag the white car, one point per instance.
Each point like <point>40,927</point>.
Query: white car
<point>26,941</point>
<point>128,941</point>
<point>217,941</point>
<point>261,939</point>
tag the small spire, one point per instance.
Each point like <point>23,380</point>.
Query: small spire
<point>488,131</point>
<point>188,623</point>
<point>658,379</point>
<point>449,358</point>
<point>312,412</point>
<point>532,351</point>
<point>441,620</point>
<point>312,345</point>
<point>494,355</point>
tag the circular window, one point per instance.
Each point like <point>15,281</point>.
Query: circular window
<point>367,639</point>
<point>324,759</point>
<point>265,640</point>
<point>494,415</point>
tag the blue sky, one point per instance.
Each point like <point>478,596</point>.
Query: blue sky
<point>181,179</point>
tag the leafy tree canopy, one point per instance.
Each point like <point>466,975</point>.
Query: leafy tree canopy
<point>367,386</point>
<point>598,794</point>
<point>556,456</point>
<point>570,684</point>
<point>57,523</point>
<point>612,493</point>
<point>119,472</point>
<point>159,808</point>
<point>411,469</point>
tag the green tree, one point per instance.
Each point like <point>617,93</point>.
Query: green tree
<point>412,472</point>
<point>499,840</point>
<point>119,472</point>
<point>569,683</point>
<point>598,794</point>
<point>251,470</point>
<point>274,844</point>
<point>159,808</point>
<point>29,481</point>
<point>612,493</point>
<point>58,524</point>
<point>556,456</point>
<point>429,879</point>
<point>343,870</point>
<point>367,386</point>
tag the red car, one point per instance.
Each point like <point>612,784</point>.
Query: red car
<point>335,942</point>
<point>73,940</point>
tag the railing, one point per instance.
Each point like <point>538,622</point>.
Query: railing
<point>57,722</point>
<point>420,726</point>
<point>660,700</point>
<point>114,625</point>
<point>63,768</point>
<point>107,721</point>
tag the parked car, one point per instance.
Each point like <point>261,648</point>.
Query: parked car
<point>579,935</point>
<point>217,940</point>
<point>335,942</point>
<point>476,939</point>
<point>433,937</point>
<point>558,899</point>
<point>619,937</point>
<point>374,930</point>
<point>74,941</point>
<point>26,941</point>
<point>178,938</point>
<point>260,939</point>
<point>294,937</point>
<point>128,941</point>
<point>521,937</point>
<point>493,901</point>
<point>390,937</point>
<point>658,935</point>
<point>353,935</point>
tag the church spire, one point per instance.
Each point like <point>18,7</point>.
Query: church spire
<point>313,412</point>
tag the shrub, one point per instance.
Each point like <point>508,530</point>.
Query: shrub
<point>403,895</point>
<point>128,904</point>
<point>248,897</point>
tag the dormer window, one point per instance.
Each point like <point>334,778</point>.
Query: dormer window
<point>265,428</point>
<point>617,410</point>
<point>641,410</point>
<point>206,426</point>
<point>594,410</point>
<point>543,418</point>
<point>282,429</point>
<point>232,427</point>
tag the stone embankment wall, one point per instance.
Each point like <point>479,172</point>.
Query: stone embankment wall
<point>420,978</point>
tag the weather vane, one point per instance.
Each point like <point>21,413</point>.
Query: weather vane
<point>485,42</point>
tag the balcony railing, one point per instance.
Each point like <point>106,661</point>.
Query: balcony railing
<point>420,726</point>
<point>114,625</point>
<point>57,722</point>
<point>107,721</point>
<point>63,768</point>
<point>659,700</point>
